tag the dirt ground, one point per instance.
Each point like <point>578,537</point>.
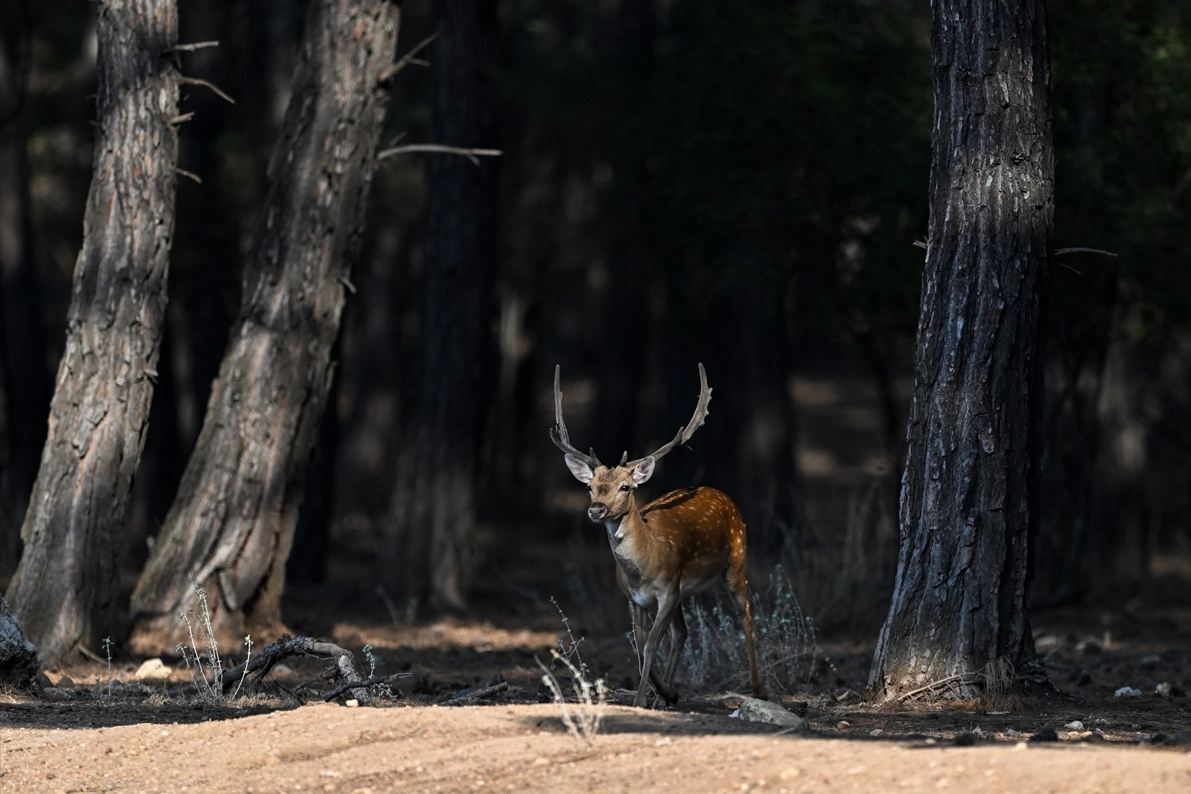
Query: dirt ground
<point>108,732</point>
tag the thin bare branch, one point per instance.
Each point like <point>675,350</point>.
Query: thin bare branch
<point>1101,251</point>
<point>198,45</point>
<point>207,84</point>
<point>182,118</point>
<point>188,175</point>
<point>390,71</point>
<point>471,154</point>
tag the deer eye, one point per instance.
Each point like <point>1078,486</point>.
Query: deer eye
<point>624,486</point>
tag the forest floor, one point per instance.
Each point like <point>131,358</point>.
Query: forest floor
<point>106,731</point>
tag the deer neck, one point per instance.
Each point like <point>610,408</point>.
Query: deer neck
<point>627,534</point>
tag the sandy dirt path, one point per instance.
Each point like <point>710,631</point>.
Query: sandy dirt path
<point>330,748</point>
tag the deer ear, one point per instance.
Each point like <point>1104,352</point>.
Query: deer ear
<point>644,469</point>
<point>580,468</point>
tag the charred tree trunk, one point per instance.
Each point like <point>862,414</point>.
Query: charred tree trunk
<point>26,379</point>
<point>967,502</point>
<point>64,590</point>
<point>426,552</point>
<point>232,523</point>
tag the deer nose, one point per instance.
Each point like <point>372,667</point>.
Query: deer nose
<point>597,511</point>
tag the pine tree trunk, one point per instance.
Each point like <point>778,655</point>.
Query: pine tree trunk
<point>426,549</point>
<point>967,501</point>
<point>232,523</point>
<point>65,587</point>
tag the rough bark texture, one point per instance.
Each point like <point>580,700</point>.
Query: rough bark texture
<point>967,503</point>
<point>426,548</point>
<point>65,587</point>
<point>232,523</point>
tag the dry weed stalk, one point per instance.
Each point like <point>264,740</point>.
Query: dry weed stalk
<point>583,722</point>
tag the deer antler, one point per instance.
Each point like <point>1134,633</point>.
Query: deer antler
<point>559,434</point>
<point>686,431</point>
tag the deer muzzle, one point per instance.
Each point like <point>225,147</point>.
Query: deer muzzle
<point>597,511</point>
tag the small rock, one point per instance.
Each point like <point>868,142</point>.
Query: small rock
<point>351,704</point>
<point>1127,692</point>
<point>754,710</point>
<point>1074,725</point>
<point>875,732</point>
<point>965,739</point>
<point>1099,736</point>
<point>791,773</point>
<point>843,725</point>
<point>1046,734</point>
<point>1163,689</point>
<point>1021,746</point>
<point>1012,732</point>
<point>152,670</point>
<point>1159,738</point>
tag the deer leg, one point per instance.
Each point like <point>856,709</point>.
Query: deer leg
<point>677,643</point>
<point>739,585</point>
<point>638,616</point>
<point>667,604</point>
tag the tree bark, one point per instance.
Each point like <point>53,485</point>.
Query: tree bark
<point>232,523</point>
<point>967,502</point>
<point>64,589</point>
<point>426,549</point>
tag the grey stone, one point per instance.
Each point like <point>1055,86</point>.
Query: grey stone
<point>754,710</point>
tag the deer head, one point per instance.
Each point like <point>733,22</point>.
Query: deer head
<point>611,487</point>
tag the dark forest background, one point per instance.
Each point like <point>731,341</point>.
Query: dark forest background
<point>737,183</point>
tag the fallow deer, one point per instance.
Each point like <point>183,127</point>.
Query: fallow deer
<point>677,545</point>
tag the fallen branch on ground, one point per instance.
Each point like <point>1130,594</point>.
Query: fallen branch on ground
<point>383,679</point>
<point>942,682</point>
<point>472,697</point>
<point>345,664</point>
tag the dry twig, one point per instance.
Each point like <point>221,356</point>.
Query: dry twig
<point>389,71</point>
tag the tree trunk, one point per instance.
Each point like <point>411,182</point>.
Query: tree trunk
<point>65,587</point>
<point>426,551</point>
<point>232,523</point>
<point>967,502</point>
<point>25,378</point>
